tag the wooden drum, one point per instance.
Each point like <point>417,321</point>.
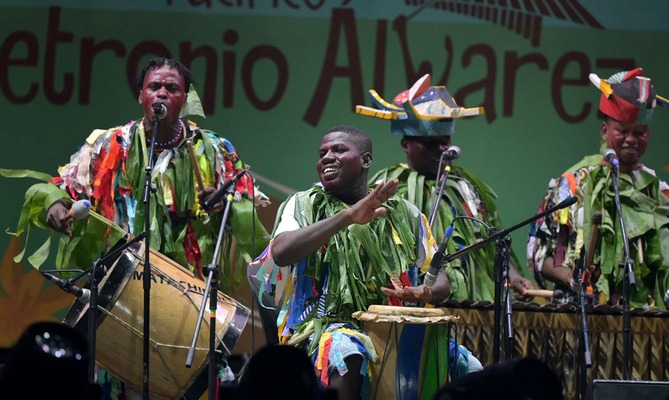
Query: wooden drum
<point>176,297</point>
<point>553,334</point>
<point>412,344</point>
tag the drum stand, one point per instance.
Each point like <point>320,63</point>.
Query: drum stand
<point>501,264</point>
<point>211,289</point>
<point>628,279</point>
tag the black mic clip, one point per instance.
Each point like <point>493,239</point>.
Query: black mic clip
<point>577,274</point>
<point>83,294</point>
<point>227,188</point>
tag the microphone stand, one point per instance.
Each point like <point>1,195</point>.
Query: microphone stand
<point>437,200</point>
<point>146,275</point>
<point>502,284</point>
<point>628,280</point>
<point>101,263</point>
<point>585,342</point>
<point>211,288</point>
<point>498,266</point>
<point>502,280</point>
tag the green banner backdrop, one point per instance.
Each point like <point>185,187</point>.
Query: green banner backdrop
<point>274,75</point>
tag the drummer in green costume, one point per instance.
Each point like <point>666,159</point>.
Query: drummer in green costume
<point>109,170</point>
<point>424,116</point>
<point>338,248</point>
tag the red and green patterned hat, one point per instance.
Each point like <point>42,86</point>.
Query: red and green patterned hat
<point>422,110</point>
<point>628,97</point>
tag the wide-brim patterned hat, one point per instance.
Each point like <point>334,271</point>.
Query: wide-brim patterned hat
<point>422,110</point>
<point>628,96</point>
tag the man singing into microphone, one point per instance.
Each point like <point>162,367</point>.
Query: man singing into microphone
<point>425,117</point>
<point>625,108</point>
<point>110,171</point>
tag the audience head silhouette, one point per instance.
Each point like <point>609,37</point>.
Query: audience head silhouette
<point>280,372</point>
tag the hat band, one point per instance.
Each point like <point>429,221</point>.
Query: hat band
<point>413,127</point>
<point>622,110</point>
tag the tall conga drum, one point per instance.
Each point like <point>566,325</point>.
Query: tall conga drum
<point>412,344</point>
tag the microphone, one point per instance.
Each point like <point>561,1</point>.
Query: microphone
<point>221,192</point>
<point>83,294</point>
<point>452,153</point>
<point>611,157</point>
<point>566,202</point>
<point>159,110</point>
<point>437,259</point>
<point>80,209</point>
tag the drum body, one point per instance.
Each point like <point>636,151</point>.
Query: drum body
<point>176,297</point>
<point>412,350</point>
<point>553,334</point>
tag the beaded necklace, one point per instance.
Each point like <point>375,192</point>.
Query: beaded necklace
<point>160,146</point>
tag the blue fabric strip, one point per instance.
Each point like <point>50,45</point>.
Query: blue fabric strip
<point>409,361</point>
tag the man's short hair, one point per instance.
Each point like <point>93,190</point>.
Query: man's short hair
<point>361,139</point>
<point>170,62</point>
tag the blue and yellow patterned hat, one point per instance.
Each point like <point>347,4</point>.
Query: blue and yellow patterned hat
<point>422,110</point>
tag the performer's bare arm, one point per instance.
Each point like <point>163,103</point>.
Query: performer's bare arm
<point>559,274</point>
<point>292,246</point>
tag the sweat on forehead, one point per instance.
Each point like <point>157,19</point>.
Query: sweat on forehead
<point>357,136</point>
